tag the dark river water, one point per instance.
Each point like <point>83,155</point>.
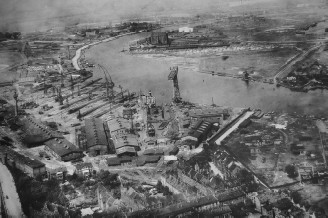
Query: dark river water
<point>138,73</point>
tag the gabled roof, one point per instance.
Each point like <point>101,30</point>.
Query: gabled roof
<point>215,112</point>
<point>153,152</point>
<point>95,132</point>
<point>22,158</point>
<point>117,124</point>
<point>62,147</point>
<point>125,140</point>
<point>113,161</point>
<point>81,166</point>
<point>126,149</point>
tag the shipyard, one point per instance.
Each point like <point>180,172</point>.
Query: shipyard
<point>219,112</point>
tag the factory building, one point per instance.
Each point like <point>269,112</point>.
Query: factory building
<point>186,29</point>
<point>55,143</point>
<point>31,167</point>
<point>126,145</point>
<point>119,127</point>
<point>63,150</point>
<point>124,142</point>
<point>159,38</point>
<point>209,113</point>
<point>96,137</point>
<point>197,134</point>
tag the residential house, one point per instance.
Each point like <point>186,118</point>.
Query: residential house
<point>84,169</point>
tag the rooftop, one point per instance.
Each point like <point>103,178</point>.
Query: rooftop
<point>117,124</point>
<point>125,150</point>
<point>95,132</point>
<point>125,140</point>
<point>153,152</point>
<point>81,166</point>
<point>209,112</point>
<point>19,157</point>
<point>62,147</point>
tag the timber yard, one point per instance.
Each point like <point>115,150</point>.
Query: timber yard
<point>208,115</point>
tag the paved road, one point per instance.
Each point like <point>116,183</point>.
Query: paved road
<point>322,132</point>
<point>12,203</point>
<point>286,69</point>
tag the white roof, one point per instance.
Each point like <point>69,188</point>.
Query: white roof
<point>169,158</point>
<point>86,211</point>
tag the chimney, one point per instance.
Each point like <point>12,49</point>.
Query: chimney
<point>16,103</point>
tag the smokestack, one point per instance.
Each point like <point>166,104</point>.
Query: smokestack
<point>16,103</point>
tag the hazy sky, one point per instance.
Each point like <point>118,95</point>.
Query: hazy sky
<point>23,14</point>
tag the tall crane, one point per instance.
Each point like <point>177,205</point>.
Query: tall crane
<point>109,83</point>
<point>174,77</point>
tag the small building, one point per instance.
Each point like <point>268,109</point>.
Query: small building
<point>152,159</point>
<point>56,144</point>
<point>105,198</point>
<point>186,29</point>
<point>56,172</point>
<point>186,123</point>
<point>197,134</point>
<point>63,150</point>
<point>26,80</point>
<point>153,152</point>
<point>128,140</point>
<point>150,130</point>
<point>151,142</point>
<point>123,151</point>
<point>209,113</point>
<point>84,169</point>
<point>91,33</point>
<point>126,160</point>
<point>97,137</point>
<point>174,151</point>
<point>171,158</point>
<point>128,113</point>
<point>146,159</point>
<point>31,167</point>
<point>113,161</point>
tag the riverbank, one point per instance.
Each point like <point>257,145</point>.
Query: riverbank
<point>78,52</point>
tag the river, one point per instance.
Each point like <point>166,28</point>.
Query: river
<point>138,73</point>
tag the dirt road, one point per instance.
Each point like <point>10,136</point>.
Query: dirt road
<point>10,196</point>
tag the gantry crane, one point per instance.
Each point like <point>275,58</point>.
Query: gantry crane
<point>109,83</point>
<point>174,77</point>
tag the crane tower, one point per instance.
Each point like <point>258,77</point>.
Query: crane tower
<point>174,77</point>
<point>109,83</point>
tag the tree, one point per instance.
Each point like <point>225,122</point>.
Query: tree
<point>291,171</point>
<point>247,179</point>
<point>297,198</point>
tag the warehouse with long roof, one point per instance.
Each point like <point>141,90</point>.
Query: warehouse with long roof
<point>97,135</point>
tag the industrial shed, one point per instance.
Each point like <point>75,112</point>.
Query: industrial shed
<point>63,150</point>
<point>96,135</point>
<point>113,161</point>
<point>31,167</point>
<point>126,151</point>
